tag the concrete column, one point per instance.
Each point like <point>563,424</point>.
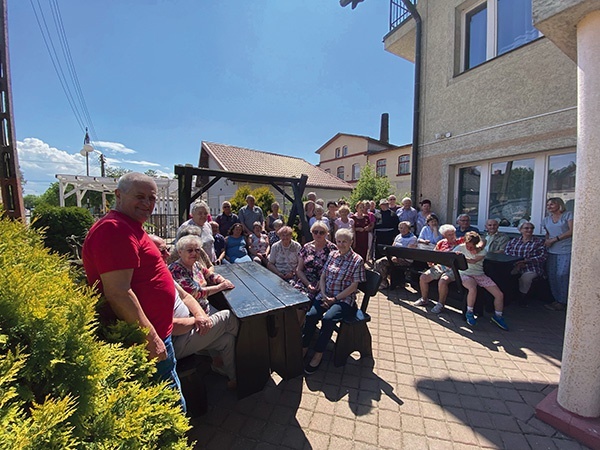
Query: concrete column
<point>579,388</point>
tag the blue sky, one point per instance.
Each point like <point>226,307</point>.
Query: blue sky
<point>160,76</point>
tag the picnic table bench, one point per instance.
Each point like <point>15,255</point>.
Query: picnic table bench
<point>457,293</point>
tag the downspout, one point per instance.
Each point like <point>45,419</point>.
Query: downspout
<point>416,101</point>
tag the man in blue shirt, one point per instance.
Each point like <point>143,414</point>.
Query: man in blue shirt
<point>464,225</point>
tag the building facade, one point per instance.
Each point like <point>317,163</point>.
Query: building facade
<point>344,155</point>
<point>498,105</point>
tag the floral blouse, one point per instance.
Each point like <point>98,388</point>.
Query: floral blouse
<point>195,281</point>
<point>314,260</point>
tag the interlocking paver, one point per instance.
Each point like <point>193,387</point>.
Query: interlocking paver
<point>433,384</point>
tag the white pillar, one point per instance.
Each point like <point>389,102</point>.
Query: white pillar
<point>579,388</point>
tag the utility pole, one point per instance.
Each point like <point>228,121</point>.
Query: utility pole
<point>10,181</point>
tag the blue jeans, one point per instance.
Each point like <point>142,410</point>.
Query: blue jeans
<point>166,371</point>
<point>559,267</point>
<point>336,312</point>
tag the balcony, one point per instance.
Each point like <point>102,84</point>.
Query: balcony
<point>400,40</point>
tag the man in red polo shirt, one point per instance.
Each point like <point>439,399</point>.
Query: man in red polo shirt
<point>119,255</point>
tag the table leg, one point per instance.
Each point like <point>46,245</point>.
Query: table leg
<point>252,356</point>
<point>285,343</point>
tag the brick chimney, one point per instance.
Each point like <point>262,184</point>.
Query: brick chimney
<point>384,134</point>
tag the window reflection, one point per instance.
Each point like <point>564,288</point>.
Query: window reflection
<point>561,178</point>
<point>468,192</point>
<point>511,187</point>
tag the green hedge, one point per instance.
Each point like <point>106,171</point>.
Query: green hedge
<point>59,223</point>
<point>60,386</point>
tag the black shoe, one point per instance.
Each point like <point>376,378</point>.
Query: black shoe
<point>309,370</point>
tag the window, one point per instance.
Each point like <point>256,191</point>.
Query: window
<point>345,150</point>
<point>517,189</point>
<point>403,164</point>
<point>561,178</point>
<point>327,170</point>
<point>511,186</point>
<point>337,152</point>
<point>355,171</point>
<point>494,27</point>
<point>340,172</point>
<point>469,179</point>
<point>380,167</point>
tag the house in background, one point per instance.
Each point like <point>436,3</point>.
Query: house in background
<point>244,160</point>
<point>498,110</point>
<point>344,155</point>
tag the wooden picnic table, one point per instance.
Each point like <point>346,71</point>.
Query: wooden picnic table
<point>270,335</point>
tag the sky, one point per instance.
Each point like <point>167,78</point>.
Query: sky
<point>160,76</point>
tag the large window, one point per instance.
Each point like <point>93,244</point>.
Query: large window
<point>515,190</point>
<point>380,167</point>
<point>340,172</point>
<point>494,27</point>
<point>511,186</point>
<point>355,171</point>
<point>403,165</point>
<point>561,178</point>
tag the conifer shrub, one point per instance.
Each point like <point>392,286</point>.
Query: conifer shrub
<point>60,386</point>
<point>59,223</point>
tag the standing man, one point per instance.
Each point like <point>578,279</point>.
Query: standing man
<point>249,214</point>
<point>392,202</point>
<point>226,219</point>
<point>120,256</point>
<point>407,213</point>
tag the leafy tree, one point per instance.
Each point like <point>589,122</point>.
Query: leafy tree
<point>151,173</point>
<point>263,195</point>
<point>370,186</point>
<point>31,200</point>
<point>115,172</point>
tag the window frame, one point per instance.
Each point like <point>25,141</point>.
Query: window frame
<point>337,152</point>
<point>355,173</point>
<point>344,151</point>
<point>539,189</point>
<point>491,33</point>
<point>342,171</point>
<point>407,162</point>
<point>379,166</point>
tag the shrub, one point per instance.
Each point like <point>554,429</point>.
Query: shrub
<point>59,223</point>
<point>263,195</point>
<point>60,386</point>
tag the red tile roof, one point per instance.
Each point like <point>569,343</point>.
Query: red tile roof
<point>245,160</point>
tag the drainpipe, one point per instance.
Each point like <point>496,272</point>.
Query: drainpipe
<point>416,101</point>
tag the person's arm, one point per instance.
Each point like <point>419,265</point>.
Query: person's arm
<point>126,306</point>
<point>199,319</point>
<point>302,276</point>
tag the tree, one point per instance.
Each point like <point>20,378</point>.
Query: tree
<point>115,172</point>
<point>263,195</point>
<point>151,173</point>
<point>370,186</point>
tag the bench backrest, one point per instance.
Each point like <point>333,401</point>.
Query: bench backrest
<point>369,288</point>
<point>449,259</point>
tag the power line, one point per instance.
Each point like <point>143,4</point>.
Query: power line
<point>72,89</point>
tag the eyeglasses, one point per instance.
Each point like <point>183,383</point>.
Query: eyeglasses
<point>226,207</point>
<point>320,232</point>
<point>193,250</point>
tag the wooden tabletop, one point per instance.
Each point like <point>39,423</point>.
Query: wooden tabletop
<point>257,290</point>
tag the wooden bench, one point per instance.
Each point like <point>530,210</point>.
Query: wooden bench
<point>191,371</point>
<point>457,293</point>
<point>353,333</point>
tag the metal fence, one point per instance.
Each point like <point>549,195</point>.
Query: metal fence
<point>398,13</point>
<point>163,225</point>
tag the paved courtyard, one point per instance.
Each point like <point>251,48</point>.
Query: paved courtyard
<point>434,383</point>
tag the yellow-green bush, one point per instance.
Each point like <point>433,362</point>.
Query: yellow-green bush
<point>60,386</point>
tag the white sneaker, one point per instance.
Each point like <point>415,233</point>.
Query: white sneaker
<point>421,302</point>
<point>437,308</point>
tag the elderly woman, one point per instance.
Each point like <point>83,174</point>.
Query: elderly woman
<point>312,258</point>
<point>559,232</point>
<point>271,218</point>
<point>362,226</point>
<point>534,255</point>
<point>283,258</point>
<point>200,212</point>
<point>191,273</point>
<point>236,246</point>
<point>338,284</point>
<point>430,234</point>
<point>259,244</point>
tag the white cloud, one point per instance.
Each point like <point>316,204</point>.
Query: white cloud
<point>40,163</point>
<point>112,147</point>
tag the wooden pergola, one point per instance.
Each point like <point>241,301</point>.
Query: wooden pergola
<point>186,173</point>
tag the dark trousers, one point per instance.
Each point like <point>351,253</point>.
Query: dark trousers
<point>336,312</point>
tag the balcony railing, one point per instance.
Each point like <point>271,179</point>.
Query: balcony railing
<point>398,13</point>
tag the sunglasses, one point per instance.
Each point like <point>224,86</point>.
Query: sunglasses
<point>319,232</point>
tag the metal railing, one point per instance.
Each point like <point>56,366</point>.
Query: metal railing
<point>399,13</point>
